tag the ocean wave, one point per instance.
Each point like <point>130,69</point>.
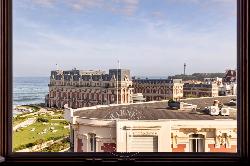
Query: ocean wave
<point>29,90</point>
<point>27,98</point>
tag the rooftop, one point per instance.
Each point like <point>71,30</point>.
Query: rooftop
<point>156,110</point>
<point>156,81</point>
<point>87,75</point>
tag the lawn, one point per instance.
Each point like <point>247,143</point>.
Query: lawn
<point>26,136</point>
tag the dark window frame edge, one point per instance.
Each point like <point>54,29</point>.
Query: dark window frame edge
<point>5,104</point>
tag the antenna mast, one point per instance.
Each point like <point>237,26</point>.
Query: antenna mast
<point>185,68</point>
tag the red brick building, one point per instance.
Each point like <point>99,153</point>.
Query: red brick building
<point>159,89</point>
<point>201,90</point>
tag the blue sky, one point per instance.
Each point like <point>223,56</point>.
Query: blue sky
<point>150,37</point>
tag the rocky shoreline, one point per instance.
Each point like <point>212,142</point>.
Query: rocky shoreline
<point>24,109</point>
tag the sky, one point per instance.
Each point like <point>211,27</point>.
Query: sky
<point>149,37</point>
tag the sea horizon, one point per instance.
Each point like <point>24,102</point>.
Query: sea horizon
<point>29,90</point>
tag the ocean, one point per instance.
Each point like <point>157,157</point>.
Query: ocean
<point>29,90</point>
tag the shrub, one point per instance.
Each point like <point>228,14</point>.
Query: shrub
<point>19,118</point>
<point>65,122</point>
<point>39,141</point>
<point>67,140</point>
<point>54,138</point>
<point>28,145</point>
<point>58,117</point>
<point>56,147</point>
<point>41,119</point>
<point>60,111</point>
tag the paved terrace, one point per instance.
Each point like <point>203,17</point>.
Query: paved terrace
<point>156,110</point>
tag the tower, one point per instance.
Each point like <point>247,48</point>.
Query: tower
<point>185,68</point>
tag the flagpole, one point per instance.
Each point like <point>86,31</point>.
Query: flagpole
<point>117,91</point>
<point>117,85</point>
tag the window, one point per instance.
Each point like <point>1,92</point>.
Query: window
<point>92,141</point>
<point>143,144</point>
<point>197,143</point>
<point>6,82</point>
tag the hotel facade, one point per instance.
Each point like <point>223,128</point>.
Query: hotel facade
<point>80,88</point>
<point>201,90</point>
<point>159,89</point>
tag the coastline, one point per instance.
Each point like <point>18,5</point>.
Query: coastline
<point>34,124</point>
<point>27,108</point>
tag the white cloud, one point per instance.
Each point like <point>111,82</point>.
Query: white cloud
<point>44,2</point>
<point>202,1</point>
<point>130,6</point>
<point>85,4</point>
<point>157,14</point>
<point>127,7</point>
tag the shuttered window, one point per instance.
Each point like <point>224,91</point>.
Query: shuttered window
<point>143,144</point>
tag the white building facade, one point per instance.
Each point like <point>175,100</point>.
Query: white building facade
<point>116,134</point>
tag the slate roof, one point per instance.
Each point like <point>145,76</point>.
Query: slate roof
<point>152,81</point>
<point>76,75</point>
<point>202,85</point>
